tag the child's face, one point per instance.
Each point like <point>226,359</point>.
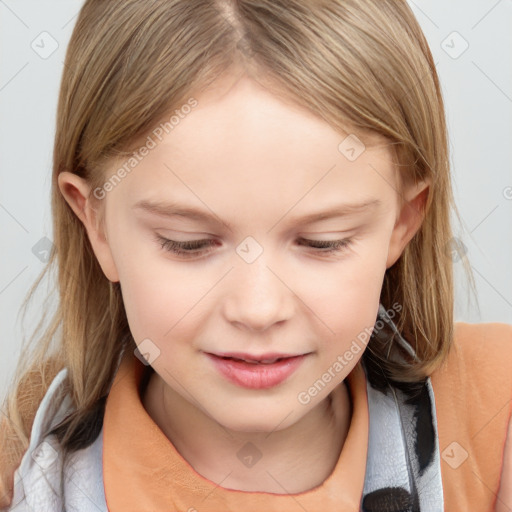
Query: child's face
<point>257,164</point>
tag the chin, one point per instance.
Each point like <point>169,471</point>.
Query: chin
<point>252,427</point>
<point>255,422</point>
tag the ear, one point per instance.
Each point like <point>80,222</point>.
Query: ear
<point>409,220</point>
<point>77,194</point>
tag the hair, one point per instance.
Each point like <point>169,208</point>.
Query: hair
<point>363,67</point>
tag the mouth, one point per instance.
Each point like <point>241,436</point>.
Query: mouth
<point>256,371</point>
<point>256,360</point>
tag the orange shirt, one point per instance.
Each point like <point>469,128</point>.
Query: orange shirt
<point>473,393</point>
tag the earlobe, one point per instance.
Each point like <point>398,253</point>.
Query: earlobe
<point>409,221</point>
<point>76,192</point>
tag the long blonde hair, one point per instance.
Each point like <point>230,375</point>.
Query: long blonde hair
<point>364,65</point>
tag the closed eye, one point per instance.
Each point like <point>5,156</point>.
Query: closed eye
<point>192,248</point>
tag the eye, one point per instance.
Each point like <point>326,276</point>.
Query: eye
<point>327,246</point>
<point>186,249</point>
<point>193,248</point>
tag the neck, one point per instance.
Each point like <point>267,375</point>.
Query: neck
<point>293,460</point>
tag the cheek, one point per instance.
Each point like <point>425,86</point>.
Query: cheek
<point>143,302</point>
<point>161,297</point>
<point>347,310</point>
<point>347,302</point>
<point>354,281</point>
<point>150,298</point>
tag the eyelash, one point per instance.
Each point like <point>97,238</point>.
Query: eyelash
<point>189,249</point>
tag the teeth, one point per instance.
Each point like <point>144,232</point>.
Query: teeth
<point>263,361</point>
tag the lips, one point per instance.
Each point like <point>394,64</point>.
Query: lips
<point>267,358</point>
<point>257,361</point>
<point>256,372</point>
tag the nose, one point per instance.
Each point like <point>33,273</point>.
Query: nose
<point>258,296</point>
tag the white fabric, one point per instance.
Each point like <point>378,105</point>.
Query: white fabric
<point>49,481</point>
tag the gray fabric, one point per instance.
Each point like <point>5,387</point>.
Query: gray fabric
<point>399,477</point>
<point>47,479</point>
<point>403,469</point>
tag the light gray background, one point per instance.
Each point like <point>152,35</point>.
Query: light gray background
<point>477,87</point>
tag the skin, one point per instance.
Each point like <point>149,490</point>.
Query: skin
<point>256,161</point>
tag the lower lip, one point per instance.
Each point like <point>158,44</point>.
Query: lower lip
<point>256,376</point>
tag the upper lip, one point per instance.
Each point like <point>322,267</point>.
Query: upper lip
<point>267,356</point>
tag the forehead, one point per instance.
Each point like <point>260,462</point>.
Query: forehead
<point>242,144</point>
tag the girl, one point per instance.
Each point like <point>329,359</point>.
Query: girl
<point>251,206</point>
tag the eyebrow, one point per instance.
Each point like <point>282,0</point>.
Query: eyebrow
<point>175,209</point>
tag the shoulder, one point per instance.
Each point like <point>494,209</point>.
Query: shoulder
<point>477,367</point>
<point>482,354</point>
<point>473,397</point>
<point>481,337</point>
<point>486,350</point>
<point>473,385</point>
<point>47,473</point>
